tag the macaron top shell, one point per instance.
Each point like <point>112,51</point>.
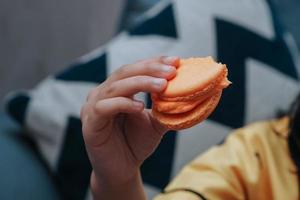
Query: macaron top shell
<point>193,75</point>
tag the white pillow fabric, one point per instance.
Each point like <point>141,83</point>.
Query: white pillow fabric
<point>244,34</point>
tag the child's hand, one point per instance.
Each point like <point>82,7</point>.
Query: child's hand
<point>119,133</point>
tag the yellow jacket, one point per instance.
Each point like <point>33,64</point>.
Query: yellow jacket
<point>253,163</point>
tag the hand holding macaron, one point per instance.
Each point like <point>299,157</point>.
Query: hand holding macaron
<point>119,133</point>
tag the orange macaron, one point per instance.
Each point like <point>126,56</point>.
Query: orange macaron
<point>192,95</point>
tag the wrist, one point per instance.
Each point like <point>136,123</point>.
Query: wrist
<point>114,179</point>
<point>131,189</point>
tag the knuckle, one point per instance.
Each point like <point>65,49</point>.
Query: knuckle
<point>118,100</point>
<point>147,81</point>
<point>156,66</point>
<point>157,58</point>
<point>154,60</point>
<point>140,61</point>
<point>161,58</point>
<point>148,61</point>
<point>84,126</point>
<point>96,108</point>
<point>123,69</point>
<point>82,112</point>
<point>151,65</point>
<point>91,93</point>
<point>141,80</point>
<point>84,129</point>
<point>110,89</point>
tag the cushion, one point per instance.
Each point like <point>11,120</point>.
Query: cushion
<point>245,35</point>
<point>22,175</point>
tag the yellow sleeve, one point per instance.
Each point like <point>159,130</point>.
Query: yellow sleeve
<point>220,173</point>
<point>177,195</point>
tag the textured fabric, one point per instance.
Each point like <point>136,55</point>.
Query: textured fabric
<point>253,163</point>
<point>243,34</point>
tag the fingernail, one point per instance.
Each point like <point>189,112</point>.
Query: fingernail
<point>170,59</point>
<point>159,82</point>
<point>168,69</point>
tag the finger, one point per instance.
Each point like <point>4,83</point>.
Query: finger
<point>171,60</point>
<point>83,111</point>
<point>92,93</point>
<point>163,67</point>
<point>98,117</point>
<point>158,127</point>
<point>168,60</point>
<point>112,106</point>
<point>130,86</point>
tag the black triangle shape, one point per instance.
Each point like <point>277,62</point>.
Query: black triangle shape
<point>17,107</point>
<point>94,70</point>
<point>162,24</point>
<point>74,168</point>
<point>156,170</point>
<point>234,45</point>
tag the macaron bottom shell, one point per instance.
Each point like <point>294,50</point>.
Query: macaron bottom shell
<point>178,107</point>
<point>188,119</point>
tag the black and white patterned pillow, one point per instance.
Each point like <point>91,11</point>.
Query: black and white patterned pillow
<point>244,34</point>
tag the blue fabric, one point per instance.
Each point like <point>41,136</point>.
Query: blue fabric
<point>22,174</point>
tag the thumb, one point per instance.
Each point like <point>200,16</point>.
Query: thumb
<point>158,127</point>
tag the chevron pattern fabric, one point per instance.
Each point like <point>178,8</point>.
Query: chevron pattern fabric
<point>244,34</point>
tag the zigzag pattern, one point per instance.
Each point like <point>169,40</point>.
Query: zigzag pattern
<point>235,42</point>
